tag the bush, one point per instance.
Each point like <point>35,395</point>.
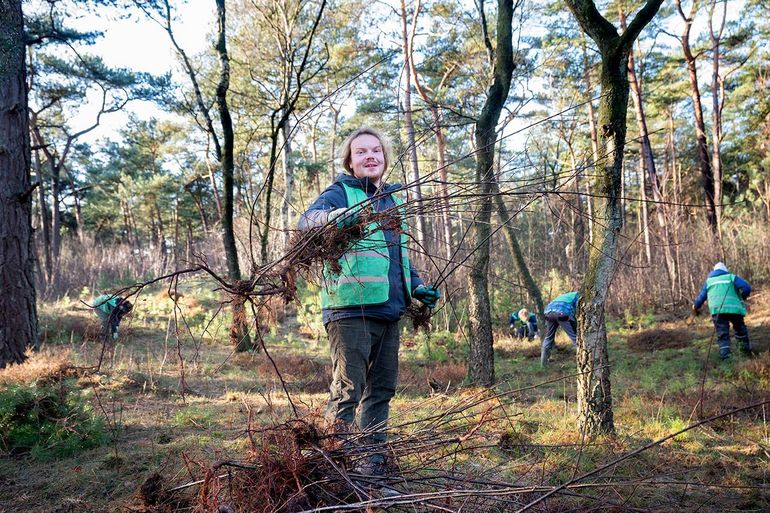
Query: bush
<point>439,346</point>
<point>48,421</point>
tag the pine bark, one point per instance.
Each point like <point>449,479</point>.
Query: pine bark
<point>18,313</point>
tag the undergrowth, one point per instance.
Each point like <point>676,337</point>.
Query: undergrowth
<point>48,420</point>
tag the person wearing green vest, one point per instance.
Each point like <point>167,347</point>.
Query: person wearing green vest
<point>111,309</point>
<point>559,312</point>
<point>523,324</point>
<point>725,293</point>
<point>363,303</point>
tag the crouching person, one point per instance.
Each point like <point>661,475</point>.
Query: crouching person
<point>362,304</point>
<point>111,309</point>
<point>529,321</point>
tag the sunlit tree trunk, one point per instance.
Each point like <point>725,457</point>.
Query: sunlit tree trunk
<point>644,220</point>
<point>648,164</point>
<point>415,191</point>
<point>594,139</point>
<point>594,393</point>
<point>288,180</point>
<point>707,175</point>
<point>481,364</point>
<point>715,36</point>
<point>441,167</point>
<point>45,218</point>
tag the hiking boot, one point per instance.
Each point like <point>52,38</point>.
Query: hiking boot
<point>373,466</point>
<point>376,476</point>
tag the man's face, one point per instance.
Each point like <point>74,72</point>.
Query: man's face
<point>367,158</point>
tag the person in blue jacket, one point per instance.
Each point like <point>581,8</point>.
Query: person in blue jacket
<point>363,303</point>
<point>725,293</point>
<point>559,312</point>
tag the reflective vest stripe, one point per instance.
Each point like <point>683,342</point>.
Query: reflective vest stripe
<point>369,254</point>
<point>361,279</point>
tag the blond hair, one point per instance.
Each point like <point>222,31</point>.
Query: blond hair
<point>345,152</point>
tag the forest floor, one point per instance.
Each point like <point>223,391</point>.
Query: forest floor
<point>662,381</point>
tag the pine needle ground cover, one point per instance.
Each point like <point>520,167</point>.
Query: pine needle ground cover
<point>235,436</point>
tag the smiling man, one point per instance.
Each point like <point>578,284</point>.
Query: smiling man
<point>363,303</point>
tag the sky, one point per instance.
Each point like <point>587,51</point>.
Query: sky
<point>141,45</point>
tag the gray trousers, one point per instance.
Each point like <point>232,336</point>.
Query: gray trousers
<point>364,355</point>
<point>552,323</point>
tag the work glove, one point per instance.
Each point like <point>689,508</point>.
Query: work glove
<point>695,311</point>
<point>426,295</point>
<point>345,217</point>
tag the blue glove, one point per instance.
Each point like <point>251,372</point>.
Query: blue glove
<point>426,295</point>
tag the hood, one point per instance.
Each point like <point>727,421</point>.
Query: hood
<point>364,184</point>
<point>717,272</point>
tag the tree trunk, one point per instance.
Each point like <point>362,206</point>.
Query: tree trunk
<point>673,171</point>
<point>176,233</point>
<point>228,137</point>
<point>288,180</point>
<point>267,216</point>
<point>481,364</point>
<point>45,218</point>
<point>716,109</point>
<point>18,313</point>
<point>55,214</point>
<point>594,141</point>
<point>644,219</point>
<point>443,189</point>
<point>707,175</point>
<point>518,256</point>
<point>594,392</point>
<point>648,163</point>
<point>79,228</point>
<point>239,331</point>
<point>162,247</point>
<point>414,190</point>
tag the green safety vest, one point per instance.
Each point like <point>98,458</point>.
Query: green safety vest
<point>723,297</point>
<point>568,297</point>
<point>364,276</point>
<point>104,304</point>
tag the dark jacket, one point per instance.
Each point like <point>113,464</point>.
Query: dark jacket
<point>334,197</point>
<point>564,305</point>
